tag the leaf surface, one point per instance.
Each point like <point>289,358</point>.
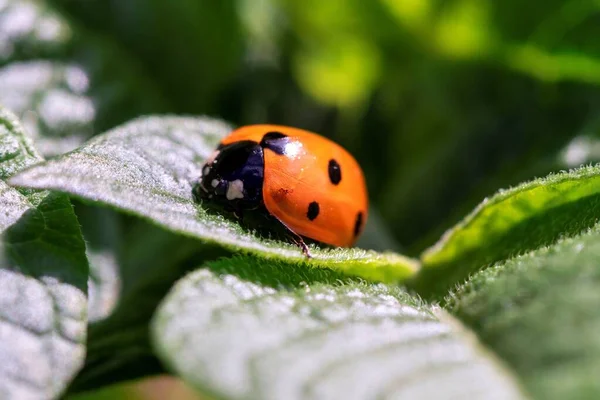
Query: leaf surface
<point>43,274</point>
<point>512,222</point>
<point>539,312</point>
<point>62,81</point>
<point>148,168</point>
<point>243,328</point>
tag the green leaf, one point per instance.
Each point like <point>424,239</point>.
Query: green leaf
<point>244,328</point>
<point>103,235</point>
<point>62,81</point>
<point>67,84</point>
<point>43,274</point>
<point>40,32</point>
<point>148,168</point>
<point>539,312</point>
<point>151,260</point>
<point>16,150</point>
<point>513,221</point>
<point>40,92</point>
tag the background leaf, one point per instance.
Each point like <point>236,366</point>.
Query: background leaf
<point>16,150</point>
<point>62,80</point>
<point>242,328</point>
<point>523,218</point>
<point>127,169</point>
<point>103,234</point>
<point>539,312</point>
<point>150,261</point>
<point>43,273</point>
<point>67,84</point>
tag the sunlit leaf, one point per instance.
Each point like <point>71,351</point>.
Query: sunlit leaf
<point>62,81</point>
<point>103,235</point>
<point>539,312</point>
<point>511,222</point>
<point>148,168</point>
<point>43,275</point>
<point>232,332</point>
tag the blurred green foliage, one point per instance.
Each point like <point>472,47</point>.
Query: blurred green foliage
<point>441,102</point>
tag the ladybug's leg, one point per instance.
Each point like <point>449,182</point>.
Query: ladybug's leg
<point>297,239</point>
<point>237,211</point>
<point>239,214</point>
<point>300,243</point>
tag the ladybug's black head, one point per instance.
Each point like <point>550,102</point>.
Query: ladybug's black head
<point>233,175</point>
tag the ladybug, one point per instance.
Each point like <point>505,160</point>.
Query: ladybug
<point>309,184</point>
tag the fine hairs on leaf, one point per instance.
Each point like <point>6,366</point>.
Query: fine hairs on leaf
<point>148,168</point>
<point>514,221</point>
<point>539,312</point>
<point>237,329</point>
<point>43,275</point>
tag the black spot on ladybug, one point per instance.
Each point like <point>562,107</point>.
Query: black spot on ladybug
<point>358,223</point>
<point>335,172</point>
<point>274,141</point>
<point>273,135</point>
<point>313,210</point>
